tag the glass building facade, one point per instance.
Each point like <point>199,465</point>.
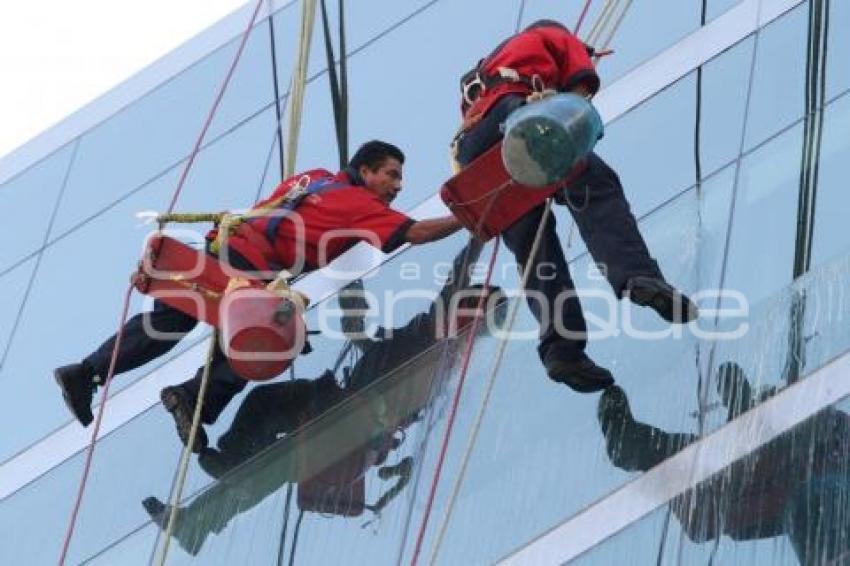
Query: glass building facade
<point>727,441</point>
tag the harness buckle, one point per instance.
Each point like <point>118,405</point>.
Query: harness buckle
<point>473,88</point>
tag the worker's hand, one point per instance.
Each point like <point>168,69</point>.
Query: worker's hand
<point>582,90</point>
<point>147,217</point>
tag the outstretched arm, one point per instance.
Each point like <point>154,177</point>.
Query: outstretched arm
<point>432,229</point>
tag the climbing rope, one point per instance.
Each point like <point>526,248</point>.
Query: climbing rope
<point>299,82</point>
<point>183,467</point>
<point>126,307</point>
<point>467,356</point>
<point>227,222</point>
<point>581,16</point>
<point>491,380</point>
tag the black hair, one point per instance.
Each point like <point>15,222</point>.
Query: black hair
<point>373,153</point>
<point>546,24</point>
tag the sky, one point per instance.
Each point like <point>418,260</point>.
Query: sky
<point>58,55</point>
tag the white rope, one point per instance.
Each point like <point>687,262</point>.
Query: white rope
<point>601,21</point>
<point>491,381</point>
<point>296,105</point>
<point>608,12</point>
<point>616,26</point>
<point>183,467</point>
<point>298,83</point>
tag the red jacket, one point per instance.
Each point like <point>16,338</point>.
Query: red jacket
<point>322,227</point>
<point>548,51</point>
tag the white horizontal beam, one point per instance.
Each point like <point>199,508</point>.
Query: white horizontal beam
<point>696,463</point>
<point>614,101</point>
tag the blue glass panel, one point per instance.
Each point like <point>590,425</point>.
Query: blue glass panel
<point>129,464</point>
<point>653,153</point>
<point>779,76</point>
<point>723,97</point>
<point>765,218</point>
<point>831,237</point>
<point>228,174</point>
<point>838,43</point>
<point>546,464</point>
<point>12,288</point>
<point>155,133</point>
<point>388,100</point>
<point>31,195</point>
<point>715,8</point>
<point>652,146</point>
<point>764,519</point>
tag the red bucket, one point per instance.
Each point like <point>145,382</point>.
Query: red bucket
<point>259,338</point>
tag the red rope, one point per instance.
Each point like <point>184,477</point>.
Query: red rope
<point>467,356</point>
<point>90,452</point>
<point>105,394</point>
<point>581,17</point>
<point>214,108</point>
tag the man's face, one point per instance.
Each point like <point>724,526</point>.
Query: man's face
<point>385,180</point>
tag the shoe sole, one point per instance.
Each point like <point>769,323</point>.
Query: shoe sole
<point>177,405</point>
<point>663,304</point>
<point>584,386</point>
<point>84,420</point>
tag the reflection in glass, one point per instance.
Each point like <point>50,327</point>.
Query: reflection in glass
<point>334,432</point>
<point>796,485</point>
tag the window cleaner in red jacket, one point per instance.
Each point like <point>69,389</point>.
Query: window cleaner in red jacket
<point>336,212</point>
<point>546,56</point>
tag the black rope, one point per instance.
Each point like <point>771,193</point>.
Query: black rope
<point>815,95</point>
<point>338,98</point>
<point>266,168</point>
<point>295,538</point>
<point>277,107</point>
<point>519,16</point>
<point>282,544</point>
<point>343,79</point>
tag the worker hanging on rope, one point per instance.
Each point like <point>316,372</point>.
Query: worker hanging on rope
<point>308,221</point>
<point>546,57</point>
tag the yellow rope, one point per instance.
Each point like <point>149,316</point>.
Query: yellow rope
<point>615,27</point>
<point>227,223</point>
<point>299,82</point>
<point>601,21</point>
<point>491,381</point>
<point>177,489</point>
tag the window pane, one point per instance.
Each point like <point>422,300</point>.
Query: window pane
<point>12,288</point>
<point>831,237</point>
<point>158,131</point>
<point>766,218</point>
<point>92,264</point>
<point>31,195</point>
<point>779,76</point>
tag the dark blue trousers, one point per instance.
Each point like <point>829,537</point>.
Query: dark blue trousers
<point>138,347</point>
<point>604,220</point>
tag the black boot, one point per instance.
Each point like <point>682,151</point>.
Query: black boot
<point>580,374</point>
<point>78,386</point>
<point>632,445</point>
<point>670,303</point>
<point>160,513</point>
<point>177,402</point>
<point>217,463</point>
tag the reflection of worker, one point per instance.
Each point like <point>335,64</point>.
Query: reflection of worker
<point>369,414</point>
<point>797,484</point>
<point>356,199</point>
<point>547,56</point>
<point>268,413</point>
